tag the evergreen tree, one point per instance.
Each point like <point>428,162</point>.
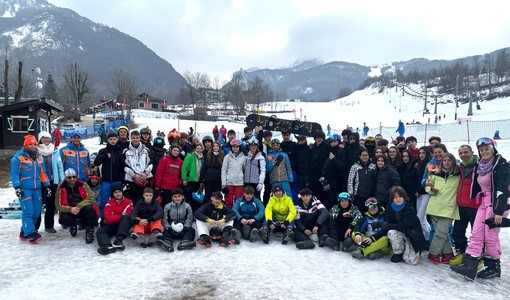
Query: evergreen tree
<point>50,89</point>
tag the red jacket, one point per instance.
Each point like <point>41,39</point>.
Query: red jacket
<point>464,190</point>
<point>168,173</point>
<point>114,210</point>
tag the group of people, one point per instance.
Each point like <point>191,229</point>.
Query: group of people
<point>356,195</point>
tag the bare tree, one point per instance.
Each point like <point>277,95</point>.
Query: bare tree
<point>502,64</point>
<point>123,86</point>
<point>19,90</point>
<point>77,85</point>
<point>195,81</point>
<point>235,91</point>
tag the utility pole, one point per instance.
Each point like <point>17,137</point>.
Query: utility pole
<point>425,102</point>
<point>435,105</point>
<point>470,108</point>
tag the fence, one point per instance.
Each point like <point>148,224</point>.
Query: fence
<point>451,132</point>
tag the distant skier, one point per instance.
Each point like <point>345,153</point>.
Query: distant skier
<point>365,129</point>
<point>329,130</point>
<point>401,128</point>
<point>496,135</point>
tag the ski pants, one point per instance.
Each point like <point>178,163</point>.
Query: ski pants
<point>204,227</point>
<point>441,243</point>
<point>467,216</point>
<point>483,237</point>
<point>246,229</point>
<point>119,230</point>
<point>31,206</point>
<point>87,215</point>
<point>381,244</point>
<point>301,236</point>
<point>187,234</point>
<point>421,211</point>
<point>234,192</point>
<point>149,228</point>
<point>401,244</point>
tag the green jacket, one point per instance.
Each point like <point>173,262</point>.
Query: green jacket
<point>444,202</point>
<point>189,167</point>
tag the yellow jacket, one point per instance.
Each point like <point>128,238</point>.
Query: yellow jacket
<point>282,208</point>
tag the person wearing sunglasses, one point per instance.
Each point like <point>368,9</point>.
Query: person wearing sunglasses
<point>491,187</point>
<point>28,176</point>
<point>76,200</point>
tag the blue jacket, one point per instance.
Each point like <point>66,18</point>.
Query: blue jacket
<point>249,210</point>
<point>281,172</point>
<point>58,168</point>
<point>77,158</point>
<point>27,173</point>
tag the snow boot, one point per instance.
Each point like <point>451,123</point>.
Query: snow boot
<point>105,250</point>
<point>264,235</point>
<point>358,253</point>
<point>50,230</point>
<point>235,236</point>
<point>205,240</point>
<point>155,235</point>
<point>226,239</point>
<point>456,260</point>
<point>396,258</point>
<point>322,240</point>
<point>22,236</point>
<point>73,231</point>
<point>492,268</point>
<point>254,235</point>
<point>445,258</point>
<point>34,238</point>
<point>135,236</point>
<point>186,245</point>
<point>332,243</point>
<point>306,244</point>
<point>246,232</point>
<point>288,235</point>
<point>117,243</point>
<point>375,255</point>
<point>435,258</point>
<point>468,267</point>
<point>349,245</point>
<point>89,235</point>
<point>165,245</point>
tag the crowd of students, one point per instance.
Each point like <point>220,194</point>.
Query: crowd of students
<point>361,196</point>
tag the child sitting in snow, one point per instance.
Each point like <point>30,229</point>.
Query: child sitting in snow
<point>404,228</point>
<point>280,214</point>
<point>146,218</point>
<point>372,242</point>
<point>249,212</point>
<point>344,217</point>
<point>177,221</point>
<point>215,221</point>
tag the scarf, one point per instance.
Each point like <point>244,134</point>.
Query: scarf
<point>46,150</point>
<point>469,162</point>
<point>397,207</point>
<point>216,153</point>
<point>32,154</point>
<point>199,164</point>
<point>484,167</point>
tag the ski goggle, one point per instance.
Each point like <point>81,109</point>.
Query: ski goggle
<point>485,141</point>
<point>371,203</point>
<point>275,141</point>
<point>235,142</point>
<point>344,196</point>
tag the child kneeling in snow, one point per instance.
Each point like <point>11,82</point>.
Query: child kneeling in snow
<point>280,214</point>
<point>178,222</point>
<point>214,221</point>
<point>404,228</point>
<point>146,218</point>
<point>372,242</point>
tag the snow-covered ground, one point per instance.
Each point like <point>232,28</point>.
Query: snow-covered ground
<point>62,267</point>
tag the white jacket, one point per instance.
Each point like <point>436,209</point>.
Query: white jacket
<point>232,171</point>
<point>137,161</point>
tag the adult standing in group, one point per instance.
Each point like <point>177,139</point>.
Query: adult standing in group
<point>319,154</point>
<point>289,147</point>
<point>490,185</point>
<point>75,156</point>
<point>123,133</point>
<point>28,176</point>
<point>110,158</point>
<point>55,172</point>
<point>232,173</point>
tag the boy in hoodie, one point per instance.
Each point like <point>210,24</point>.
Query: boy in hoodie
<point>117,222</point>
<point>215,217</point>
<point>146,218</point>
<point>177,221</point>
<point>311,219</point>
<point>249,212</point>
<point>280,214</point>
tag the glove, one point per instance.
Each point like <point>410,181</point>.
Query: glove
<point>278,160</point>
<point>19,192</point>
<point>48,192</point>
<point>325,184</point>
<point>260,186</point>
<point>491,224</point>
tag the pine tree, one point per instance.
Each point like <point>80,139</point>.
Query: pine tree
<point>50,89</point>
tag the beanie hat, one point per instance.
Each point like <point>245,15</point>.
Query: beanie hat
<point>29,140</point>
<point>70,172</point>
<point>116,187</point>
<point>42,134</point>
<point>277,187</point>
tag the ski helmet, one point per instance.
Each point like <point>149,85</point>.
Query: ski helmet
<point>344,196</point>
<point>177,226</point>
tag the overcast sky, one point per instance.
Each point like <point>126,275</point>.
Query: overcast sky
<point>220,37</point>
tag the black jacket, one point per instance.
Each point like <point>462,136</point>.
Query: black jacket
<point>149,211</point>
<point>303,159</point>
<point>290,148</point>
<point>500,180</point>
<point>385,179</point>
<point>409,178</point>
<point>157,155</point>
<point>406,222</point>
<point>318,157</point>
<point>209,211</point>
<point>112,167</point>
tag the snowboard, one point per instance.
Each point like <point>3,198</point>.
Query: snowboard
<point>11,212</point>
<point>273,123</point>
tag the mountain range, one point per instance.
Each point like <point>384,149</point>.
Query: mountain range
<point>50,38</point>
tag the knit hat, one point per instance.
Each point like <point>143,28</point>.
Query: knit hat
<point>70,172</point>
<point>116,187</point>
<point>29,140</point>
<point>42,134</point>
<point>277,187</point>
